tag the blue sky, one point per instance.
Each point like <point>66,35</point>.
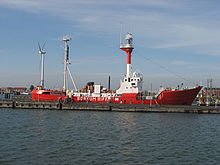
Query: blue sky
<point>175,40</point>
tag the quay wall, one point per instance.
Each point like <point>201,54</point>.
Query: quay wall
<point>108,107</point>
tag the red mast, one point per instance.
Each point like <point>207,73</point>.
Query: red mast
<point>128,49</point>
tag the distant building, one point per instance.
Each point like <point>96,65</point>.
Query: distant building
<point>8,92</point>
<point>211,92</point>
<point>13,90</point>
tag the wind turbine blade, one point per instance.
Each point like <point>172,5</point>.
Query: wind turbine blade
<point>43,45</point>
<point>39,46</point>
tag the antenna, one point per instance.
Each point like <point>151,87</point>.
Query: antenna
<point>121,33</point>
<point>130,28</point>
<point>42,53</point>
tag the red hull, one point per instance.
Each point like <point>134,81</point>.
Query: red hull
<point>47,95</point>
<point>177,97</point>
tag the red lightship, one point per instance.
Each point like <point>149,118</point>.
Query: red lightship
<point>129,92</point>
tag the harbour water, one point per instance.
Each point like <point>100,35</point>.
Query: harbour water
<point>41,137</point>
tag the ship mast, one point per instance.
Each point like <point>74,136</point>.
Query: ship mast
<point>128,49</point>
<point>66,61</point>
<point>132,81</point>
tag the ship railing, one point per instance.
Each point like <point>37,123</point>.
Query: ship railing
<point>146,97</point>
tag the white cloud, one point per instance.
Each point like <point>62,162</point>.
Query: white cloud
<point>160,24</point>
<point>164,24</point>
<point>27,5</point>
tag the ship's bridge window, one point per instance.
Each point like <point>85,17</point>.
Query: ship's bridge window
<point>62,94</point>
<point>46,93</point>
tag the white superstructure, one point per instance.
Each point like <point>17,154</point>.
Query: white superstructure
<point>132,81</point>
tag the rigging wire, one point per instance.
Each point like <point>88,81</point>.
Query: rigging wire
<point>164,68</point>
<point>71,78</point>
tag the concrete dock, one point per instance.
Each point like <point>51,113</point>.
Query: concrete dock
<point>109,107</point>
